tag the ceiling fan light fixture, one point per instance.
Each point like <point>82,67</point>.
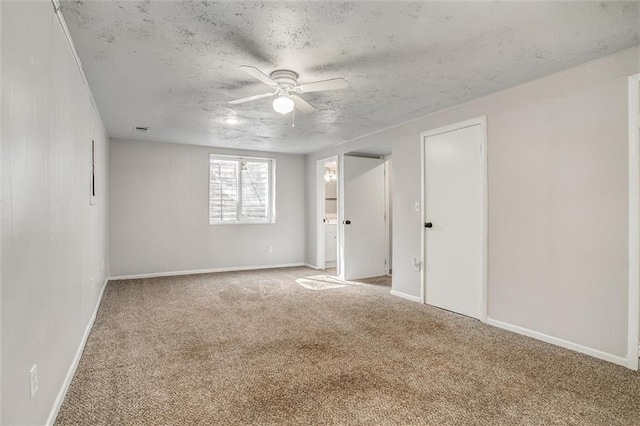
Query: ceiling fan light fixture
<point>330,175</point>
<point>283,104</point>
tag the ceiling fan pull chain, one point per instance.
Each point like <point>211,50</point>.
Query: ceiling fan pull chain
<point>293,118</point>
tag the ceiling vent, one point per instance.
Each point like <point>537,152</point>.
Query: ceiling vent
<point>141,129</point>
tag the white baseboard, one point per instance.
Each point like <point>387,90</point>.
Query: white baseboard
<point>406,296</point>
<point>204,271</point>
<point>327,265</point>
<point>559,342</point>
<point>74,364</point>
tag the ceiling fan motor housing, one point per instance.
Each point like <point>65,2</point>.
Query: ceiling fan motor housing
<point>284,78</point>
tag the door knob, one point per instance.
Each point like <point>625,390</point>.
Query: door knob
<point>428,225</point>
<point>347,222</point>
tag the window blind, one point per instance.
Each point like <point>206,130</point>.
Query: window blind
<point>240,190</point>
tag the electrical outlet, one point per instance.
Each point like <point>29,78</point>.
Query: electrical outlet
<point>270,249</point>
<point>33,381</point>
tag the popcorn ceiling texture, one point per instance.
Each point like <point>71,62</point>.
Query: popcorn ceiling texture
<point>173,65</point>
<point>256,348</point>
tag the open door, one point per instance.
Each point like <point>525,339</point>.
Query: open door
<point>363,246</point>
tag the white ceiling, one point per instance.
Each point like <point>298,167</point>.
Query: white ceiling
<point>173,66</point>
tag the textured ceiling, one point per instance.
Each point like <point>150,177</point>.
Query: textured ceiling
<point>173,66</point>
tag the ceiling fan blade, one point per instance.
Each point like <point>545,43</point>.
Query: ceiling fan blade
<point>318,86</point>
<point>256,73</point>
<point>252,98</point>
<point>302,105</point>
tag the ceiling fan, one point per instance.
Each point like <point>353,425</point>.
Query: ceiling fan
<point>284,85</point>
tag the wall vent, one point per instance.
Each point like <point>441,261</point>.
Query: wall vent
<point>141,129</point>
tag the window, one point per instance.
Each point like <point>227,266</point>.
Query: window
<point>241,190</point>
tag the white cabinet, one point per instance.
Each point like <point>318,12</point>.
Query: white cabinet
<point>330,243</point>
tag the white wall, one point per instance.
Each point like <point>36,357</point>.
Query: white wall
<point>557,154</point>
<point>54,244</point>
<point>159,212</point>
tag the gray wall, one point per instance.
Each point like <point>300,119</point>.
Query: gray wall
<point>159,212</point>
<point>54,244</point>
<point>557,154</point>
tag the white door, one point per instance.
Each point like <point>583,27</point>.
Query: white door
<point>363,218</point>
<point>454,215</point>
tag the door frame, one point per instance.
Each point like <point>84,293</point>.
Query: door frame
<point>387,212</point>
<point>633,328</point>
<point>340,264</point>
<point>482,122</point>
<point>320,211</point>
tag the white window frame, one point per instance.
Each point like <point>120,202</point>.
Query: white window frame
<point>271,211</point>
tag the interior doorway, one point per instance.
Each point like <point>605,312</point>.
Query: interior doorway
<point>354,215</point>
<point>328,239</point>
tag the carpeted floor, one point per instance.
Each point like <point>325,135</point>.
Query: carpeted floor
<point>258,348</point>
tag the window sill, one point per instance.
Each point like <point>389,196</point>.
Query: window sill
<point>253,222</point>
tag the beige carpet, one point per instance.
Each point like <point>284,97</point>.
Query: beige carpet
<point>258,348</point>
